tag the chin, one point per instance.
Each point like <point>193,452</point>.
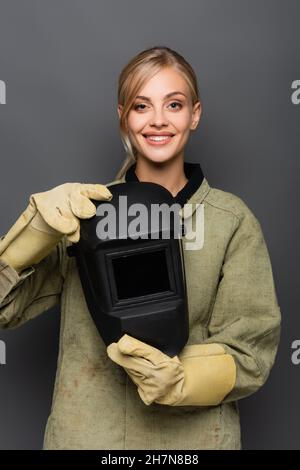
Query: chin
<point>159,158</point>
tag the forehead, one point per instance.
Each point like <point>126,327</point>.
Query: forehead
<point>165,81</point>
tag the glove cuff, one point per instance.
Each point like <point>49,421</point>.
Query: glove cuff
<point>210,374</point>
<point>29,247</point>
<point>20,224</point>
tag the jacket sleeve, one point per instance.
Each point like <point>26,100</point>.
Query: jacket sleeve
<point>245,318</point>
<point>24,296</point>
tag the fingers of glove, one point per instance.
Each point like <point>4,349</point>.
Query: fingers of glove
<point>151,391</point>
<point>146,397</point>
<point>62,220</point>
<point>169,394</point>
<point>75,236</point>
<point>96,191</point>
<point>132,363</point>
<point>80,205</point>
<point>165,374</point>
<point>165,386</point>
<point>158,380</point>
<point>81,194</point>
<point>132,346</point>
<point>136,377</point>
<point>147,393</point>
<point>69,218</point>
<point>171,398</point>
<point>59,216</point>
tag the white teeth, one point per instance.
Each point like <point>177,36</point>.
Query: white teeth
<point>158,138</point>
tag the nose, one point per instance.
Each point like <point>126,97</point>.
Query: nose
<point>158,118</point>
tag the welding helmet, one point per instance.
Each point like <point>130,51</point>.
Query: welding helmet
<point>132,267</point>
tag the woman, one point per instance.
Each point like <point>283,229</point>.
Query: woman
<point>131,395</point>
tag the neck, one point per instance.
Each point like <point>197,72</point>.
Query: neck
<point>169,174</point>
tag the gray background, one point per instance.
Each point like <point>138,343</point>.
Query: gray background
<point>60,61</point>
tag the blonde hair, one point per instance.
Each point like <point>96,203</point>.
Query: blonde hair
<point>134,75</point>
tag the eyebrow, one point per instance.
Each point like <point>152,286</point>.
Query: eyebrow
<point>146,98</point>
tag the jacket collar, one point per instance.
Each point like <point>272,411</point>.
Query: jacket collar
<point>195,188</point>
<point>194,199</point>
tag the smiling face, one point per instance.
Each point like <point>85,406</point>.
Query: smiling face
<point>163,106</point>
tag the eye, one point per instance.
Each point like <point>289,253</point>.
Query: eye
<point>137,106</point>
<point>178,104</point>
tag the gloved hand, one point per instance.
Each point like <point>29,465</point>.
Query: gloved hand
<point>202,374</point>
<point>49,216</point>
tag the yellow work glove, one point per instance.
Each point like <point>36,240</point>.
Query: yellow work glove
<point>49,216</point>
<point>202,374</point>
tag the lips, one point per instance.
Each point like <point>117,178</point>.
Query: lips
<point>150,134</point>
<point>158,139</point>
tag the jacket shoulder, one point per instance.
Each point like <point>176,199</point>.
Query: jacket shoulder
<point>229,202</point>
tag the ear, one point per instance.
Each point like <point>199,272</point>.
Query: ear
<point>120,108</point>
<point>197,111</point>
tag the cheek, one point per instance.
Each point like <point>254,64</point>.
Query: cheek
<point>136,122</point>
<point>182,121</point>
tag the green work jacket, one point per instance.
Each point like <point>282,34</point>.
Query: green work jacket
<point>232,301</point>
